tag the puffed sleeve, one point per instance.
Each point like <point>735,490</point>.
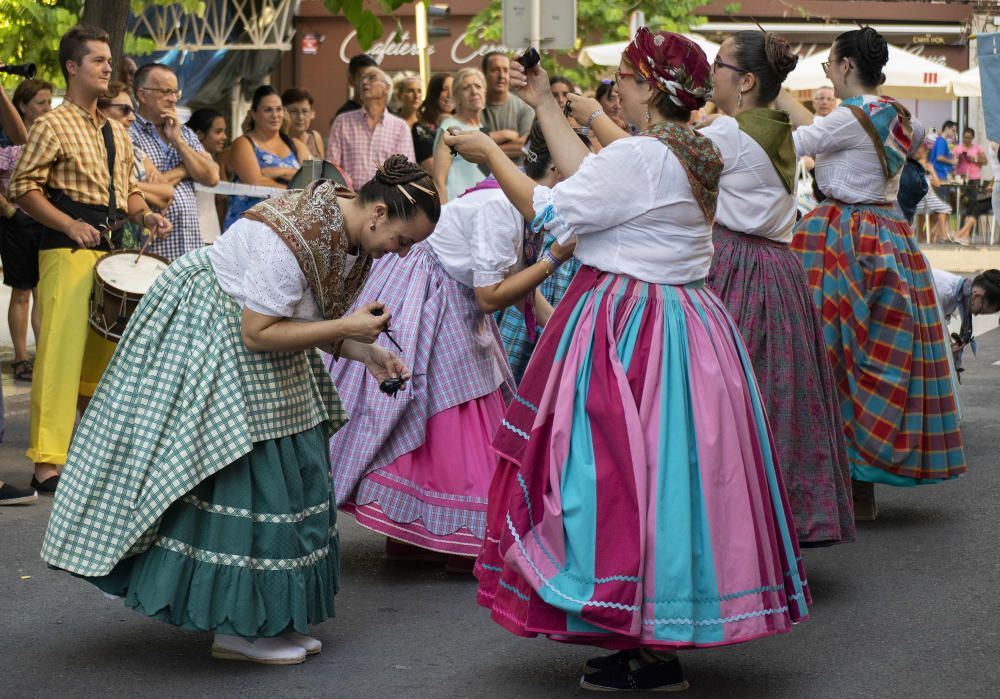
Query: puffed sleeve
<point>609,188</point>
<point>725,133</point>
<point>837,131</point>
<point>499,230</point>
<point>273,282</point>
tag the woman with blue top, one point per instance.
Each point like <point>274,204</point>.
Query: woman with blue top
<point>872,285</point>
<point>453,174</point>
<point>264,155</point>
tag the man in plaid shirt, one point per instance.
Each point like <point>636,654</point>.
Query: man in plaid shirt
<point>175,151</point>
<point>361,139</point>
<point>62,180</point>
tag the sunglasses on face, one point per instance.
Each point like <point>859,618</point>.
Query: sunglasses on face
<point>123,109</point>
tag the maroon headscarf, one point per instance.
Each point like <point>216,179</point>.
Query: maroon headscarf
<point>673,64</point>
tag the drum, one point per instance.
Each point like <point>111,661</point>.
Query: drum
<point>120,280</point>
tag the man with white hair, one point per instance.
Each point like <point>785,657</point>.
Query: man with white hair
<point>362,138</point>
<point>823,100</point>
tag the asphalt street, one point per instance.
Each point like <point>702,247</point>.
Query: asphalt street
<point>910,610</point>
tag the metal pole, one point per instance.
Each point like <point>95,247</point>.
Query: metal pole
<point>536,24</point>
<point>420,24</point>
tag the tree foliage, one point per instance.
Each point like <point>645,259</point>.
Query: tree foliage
<point>365,21</point>
<point>30,31</point>
<point>597,21</point>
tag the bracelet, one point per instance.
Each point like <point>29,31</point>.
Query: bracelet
<point>593,116</point>
<point>548,257</point>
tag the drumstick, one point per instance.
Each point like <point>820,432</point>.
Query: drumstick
<point>143,249</point>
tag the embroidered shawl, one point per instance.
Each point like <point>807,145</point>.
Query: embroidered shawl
<point>311,224</point>
<point>700,158</point>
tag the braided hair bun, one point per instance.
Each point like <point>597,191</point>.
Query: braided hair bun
<point>869,51</point>
<point>397,169</point>
<point>779,56</point>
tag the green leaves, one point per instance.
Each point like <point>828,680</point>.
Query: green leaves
<point>597,21</point>
<point>365,22</point>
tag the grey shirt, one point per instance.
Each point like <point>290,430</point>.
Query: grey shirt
<point>513,114</point>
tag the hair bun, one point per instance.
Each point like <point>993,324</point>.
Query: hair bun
<point>873,48</point>
<point>779,56</point>
<point>397,169</point>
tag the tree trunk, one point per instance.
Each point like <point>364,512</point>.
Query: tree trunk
<point>112,16</point>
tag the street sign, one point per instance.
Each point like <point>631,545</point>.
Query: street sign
<point>545,25</point>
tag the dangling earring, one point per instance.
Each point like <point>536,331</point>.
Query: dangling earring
<point>371,227</point>
<point>739,98</point>
<point>647,116</point>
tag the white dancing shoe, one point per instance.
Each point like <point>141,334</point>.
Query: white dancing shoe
<point>311,645</point>
<point>266,651</point>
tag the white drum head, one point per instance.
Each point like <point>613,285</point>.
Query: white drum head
<point>130,273</point>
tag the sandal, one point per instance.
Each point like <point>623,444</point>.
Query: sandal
<point>23,370</point>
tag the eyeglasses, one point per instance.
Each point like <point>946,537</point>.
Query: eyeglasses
<point>619,75</point>
<point>299,112</point>
<point>719,63</point>
<point>165,91</point>
<point>826,68</point>
<point>125,109</point>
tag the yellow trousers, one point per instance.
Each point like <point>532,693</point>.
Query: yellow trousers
<point>71,357</point>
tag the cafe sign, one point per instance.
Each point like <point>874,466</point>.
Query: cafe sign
<point>402,44</point>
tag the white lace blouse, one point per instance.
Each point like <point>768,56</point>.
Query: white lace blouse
<point>479,238</point>
<point>633,212</point>
<point>259,271</point>
<point>752,197</point>
<point>847,164</point>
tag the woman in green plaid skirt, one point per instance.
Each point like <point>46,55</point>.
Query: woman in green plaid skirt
<point>210,507</point>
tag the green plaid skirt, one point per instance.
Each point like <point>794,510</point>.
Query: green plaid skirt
<point>181,399</point>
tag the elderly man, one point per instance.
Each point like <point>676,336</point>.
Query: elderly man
<point>506,116</point>
<point>355,69</point>
<point>363,138</point>
<point>823,101</point>
<point>175,151</point>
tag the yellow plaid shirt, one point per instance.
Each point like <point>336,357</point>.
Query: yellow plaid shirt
<point>65,151</point>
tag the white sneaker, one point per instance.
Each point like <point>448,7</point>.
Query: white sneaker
<point>311,645</point>
<point>267,651</point>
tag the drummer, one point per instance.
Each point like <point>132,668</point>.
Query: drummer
<point>62,180</point>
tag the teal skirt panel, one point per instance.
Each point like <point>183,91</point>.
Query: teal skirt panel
<point>251,551</point>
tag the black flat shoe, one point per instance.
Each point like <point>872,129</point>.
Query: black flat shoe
<point>636,675</point>
<point>46,487</point>
<point>9,495</point>
<point>606,662</point>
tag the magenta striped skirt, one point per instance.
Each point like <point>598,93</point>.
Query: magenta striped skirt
<point>763,284</point>
<point>638,500</point>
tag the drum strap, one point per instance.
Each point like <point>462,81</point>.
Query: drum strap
<point>109,145</point>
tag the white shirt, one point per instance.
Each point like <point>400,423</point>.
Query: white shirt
<point>847,164</point>
<point>479,238</point>
<point>259,271</point>
<point>946,286</point>
<point>634,213</point>
<point>752,197</point>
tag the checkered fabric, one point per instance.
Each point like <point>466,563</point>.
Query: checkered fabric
<point>450,346</point>
<point>183,210</point>
<point>181,399</point>
<point>885,340</point>
<point>511,321</point>
<point>358,149</point>
<point>65,151</point>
